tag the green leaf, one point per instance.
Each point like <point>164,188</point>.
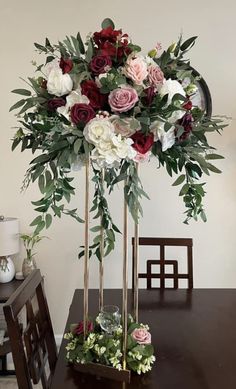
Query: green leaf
<point>15,143</point>
<point>188,43</point>
<point>40,227</point>
<point>184,190</point>
<point>17,105</point>
<point>95,229</point>
<point>36,221</point>
<point>108,23</point>
<point>89,52</point>
<point>48,220</point>
<point>77,145</point>
<point>213,168</point>
<point>214,156</point>
<point>23,92</point>
<point>40,47</point>
<point>81,45</point>
<point>179,180</point>
<point>41,183</point>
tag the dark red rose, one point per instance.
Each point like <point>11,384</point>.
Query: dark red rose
<point>186,122</point>
<point>118,52</point>
<point>106,34</point>
<point>188,105</point>
<point>81,113</point>
<point>150,93</point>
<point>66,65</point>
<point>79,329</point>
<point>90,89</point>
<point>142,143</point>
<point>100,64</point>
<point>55,103</point>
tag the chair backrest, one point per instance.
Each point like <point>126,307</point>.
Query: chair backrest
<point>33,344</point>
<point>162,262</point>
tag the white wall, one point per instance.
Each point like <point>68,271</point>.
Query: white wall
<point>24,22</point>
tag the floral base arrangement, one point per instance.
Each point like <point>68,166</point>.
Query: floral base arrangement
<point>99,347</point>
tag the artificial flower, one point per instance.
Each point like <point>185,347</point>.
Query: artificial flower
<point>141,336</point>
<point>96,99</point>
<point>81,113</point>
<point>66,65</point>
<point>142,143</point>
<point>136,69</point>
<point>155,76</point>
<point>99,130</point>
<point>125,126</point>
<point>59,84</point>
<point>100,64</point>
<point>122,99</point>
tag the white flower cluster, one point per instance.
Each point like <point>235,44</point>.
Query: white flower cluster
<point>110,148</point>
<point>146,365</point>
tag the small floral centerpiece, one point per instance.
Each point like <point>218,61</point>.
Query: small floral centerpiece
<point>108,101</point>
<point>101,348</point>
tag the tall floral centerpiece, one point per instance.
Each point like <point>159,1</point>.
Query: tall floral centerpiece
<point>106,106</point>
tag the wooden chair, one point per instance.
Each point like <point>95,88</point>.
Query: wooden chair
<point>5,349</point>
<point>33,346</point>
<point>162,262</point>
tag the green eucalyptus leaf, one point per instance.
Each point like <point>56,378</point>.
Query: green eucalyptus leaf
<point>179,180</point>
<point>108,23</point>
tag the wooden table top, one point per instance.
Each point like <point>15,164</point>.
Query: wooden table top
<point>193,332</point>
<point>8,288</point>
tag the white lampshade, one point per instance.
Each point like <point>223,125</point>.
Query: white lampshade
<point>9,236</point>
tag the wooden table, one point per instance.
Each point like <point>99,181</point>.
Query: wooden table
<point>193,332</point>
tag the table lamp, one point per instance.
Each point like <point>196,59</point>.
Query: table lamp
<point>9,245</point>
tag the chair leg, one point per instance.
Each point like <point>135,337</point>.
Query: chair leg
<point>4,371</point>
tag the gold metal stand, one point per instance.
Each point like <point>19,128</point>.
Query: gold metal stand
<point>86,247</point>
<point>101,264</point>
<point>136,265</point>
<point>125,282</point>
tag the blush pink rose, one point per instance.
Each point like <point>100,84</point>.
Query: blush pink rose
<point>123,99</point>
<point>136,69</point>
<point>141,336</point>
<point>155,75</point>
<point>142,157</point>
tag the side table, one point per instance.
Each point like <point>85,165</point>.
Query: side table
<point>6,291</point>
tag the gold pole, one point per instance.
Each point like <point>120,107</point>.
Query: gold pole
<point>86,246</point>
<point>125,281</point>
<point>101,264</point>
<point>136,263</point>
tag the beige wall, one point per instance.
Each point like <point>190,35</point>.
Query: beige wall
<point>24,22</point>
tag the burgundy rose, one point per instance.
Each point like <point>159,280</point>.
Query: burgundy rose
<point>55,103</point>
<point>142,143</point>
<point>66,65</point>
<point>81,113</point>
<point>100,64</point>
<point>188,105</point>
<point>79,329</point>
<point>97,100</point>
<point>118,52</point>
<point>106,35</point>
<point>186,122</point>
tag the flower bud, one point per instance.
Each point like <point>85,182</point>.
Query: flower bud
<point>172,47</point>
<point>152,53</point>
<point>190,89</point>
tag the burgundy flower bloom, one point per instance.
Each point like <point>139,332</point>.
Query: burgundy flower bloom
<point>66,65</point>
<point>55,103</point>
<point>186,122</point>
<point>90,89</point>
<point>100,64</point>
<point>81,113</point>
<point>188,105</point>
<point>142,143</point>
<point>79,329</point>
<point>106,35</point>
<point>150,93</point>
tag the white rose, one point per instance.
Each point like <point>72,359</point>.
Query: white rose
<point>123,148</point>
<point>54,64</point>
<point>167,138</point>
<point>98,130</point>
<point>171,88</point>
<point>59,84</point>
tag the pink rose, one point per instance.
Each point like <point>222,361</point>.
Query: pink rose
<point>141,336</point>
<point>123,99</point>
<point>136,69</point>
<point>155,75</point>
<point>142,157</point>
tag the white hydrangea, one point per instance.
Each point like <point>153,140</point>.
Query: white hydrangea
<point>59,84</point>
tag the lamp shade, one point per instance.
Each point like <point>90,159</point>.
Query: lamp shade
<point>9,236</point>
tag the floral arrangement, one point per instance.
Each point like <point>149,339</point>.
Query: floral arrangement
<point>106,100</point>
<point>101,348</point>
